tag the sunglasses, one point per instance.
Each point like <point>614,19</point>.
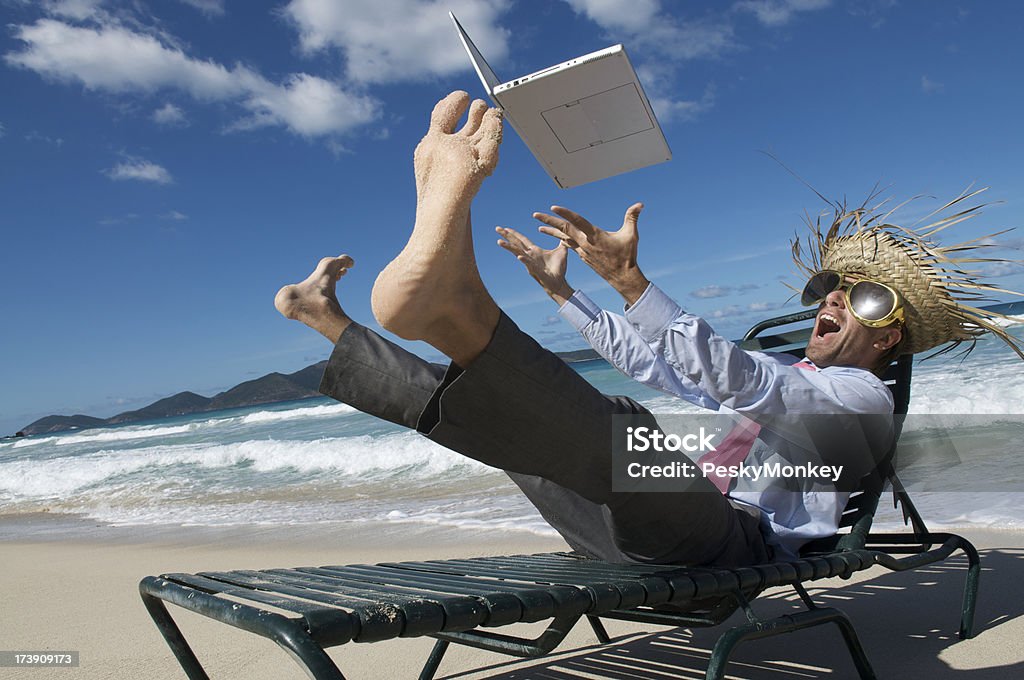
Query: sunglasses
<point>873,304</point>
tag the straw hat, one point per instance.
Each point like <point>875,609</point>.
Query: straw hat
<point>929,277</point>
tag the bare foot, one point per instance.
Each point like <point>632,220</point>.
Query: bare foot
<point>432,291</point>
<point>450,166</point>
<point>314,301</point>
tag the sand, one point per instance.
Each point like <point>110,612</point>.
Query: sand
<point>63,587</point>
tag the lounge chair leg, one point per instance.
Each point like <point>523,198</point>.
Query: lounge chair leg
<point>175,640</point>
<point>860,658</point>
<point>970,589</point>
<point>434,660</point>
<point>599,631</point>
<point>787,624</point>
<point>291,636</point>
<point>307,653</point>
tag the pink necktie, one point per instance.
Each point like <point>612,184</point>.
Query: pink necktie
<point>737,444</point>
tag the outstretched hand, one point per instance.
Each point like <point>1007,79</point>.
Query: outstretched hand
<point>547,267</point>
<point>450,165</point>
<point>611,254</point>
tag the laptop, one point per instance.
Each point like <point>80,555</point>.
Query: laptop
<point>584,119</point>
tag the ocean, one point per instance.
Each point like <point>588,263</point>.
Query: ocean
<point>320,464</point>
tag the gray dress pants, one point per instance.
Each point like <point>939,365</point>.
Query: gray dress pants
<point>520,408</point>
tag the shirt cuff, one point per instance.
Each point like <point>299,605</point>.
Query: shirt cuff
<point>579,310</point>
<point>652,313</point>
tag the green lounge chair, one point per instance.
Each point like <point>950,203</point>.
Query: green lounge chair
<point>458,600</point>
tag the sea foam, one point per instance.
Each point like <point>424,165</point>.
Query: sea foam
<point>292,414</point>
<point>358,458</point>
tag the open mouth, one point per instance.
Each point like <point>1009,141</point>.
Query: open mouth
<point>827,324</point>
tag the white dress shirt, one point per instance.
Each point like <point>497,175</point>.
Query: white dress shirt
<point>660,345</point>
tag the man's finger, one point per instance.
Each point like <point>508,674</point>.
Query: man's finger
<point>629,222</point>
<point>575,219</point>
<point>514,237</point>
<point>567,228</point>
<point>509,247</point>
<point>566,240</point>
<point>476,114</point>
<point>447,112</point>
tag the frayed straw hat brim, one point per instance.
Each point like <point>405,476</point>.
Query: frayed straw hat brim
<point>939,296</point>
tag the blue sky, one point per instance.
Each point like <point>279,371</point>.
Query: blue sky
<point>166,166</point>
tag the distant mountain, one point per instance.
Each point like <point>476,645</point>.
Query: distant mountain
<point>61,423</point>
<point>579,355</point>
<point>179,404</point>
<point>269,389</point>
<point>265,390</point>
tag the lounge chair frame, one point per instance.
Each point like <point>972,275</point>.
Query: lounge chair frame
<point>307,610</point>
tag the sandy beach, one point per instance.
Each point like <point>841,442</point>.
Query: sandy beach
<point>68,587</point>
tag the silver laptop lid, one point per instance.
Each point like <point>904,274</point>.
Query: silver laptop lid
<point>487,76</point>
<point>587,119</point>
<point>584,119</point>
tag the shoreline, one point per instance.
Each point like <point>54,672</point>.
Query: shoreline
<point>64,591</point>
<point>51,527</point>
<point>57,528</point>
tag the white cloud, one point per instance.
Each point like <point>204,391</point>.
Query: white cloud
<point>211,8</point>
<point>715,290</point>
<point>992,270</point>
<point>779,12</point>
<point>174,215</point>
<point>399,40</point>
<point>112,221</point>
<point>117,60</point>
<point>698,39</point>
<point>169,114</point>
<point>36,136</point>
<point>634,16</point>
<point>74,9</point>
<point>644,25</point>
<point>669,110</point>
<point>742,310</point>
<point>712,291</point>
<point>666,41</point>
<point>114,59</point>
<point>307,105</point>
<point>2,130</point>
<point>929,86</point>
<point>141,170</point>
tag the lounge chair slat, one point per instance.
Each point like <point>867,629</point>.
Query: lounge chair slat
<point>606,596</point>
<point>536,604</point>
<point>591,568</point>
<point>471,584</point>
<point>449,612</point>
<point>479,578</point>
<point>378,620</point>
<point>508,568</point>
<point>499,608</point>
<point>329,626</point>
<point>216,586</point>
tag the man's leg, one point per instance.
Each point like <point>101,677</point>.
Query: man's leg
<point>378,377</point>
<point>548,422</point>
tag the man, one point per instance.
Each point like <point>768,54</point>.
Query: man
<point>507,402</point>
